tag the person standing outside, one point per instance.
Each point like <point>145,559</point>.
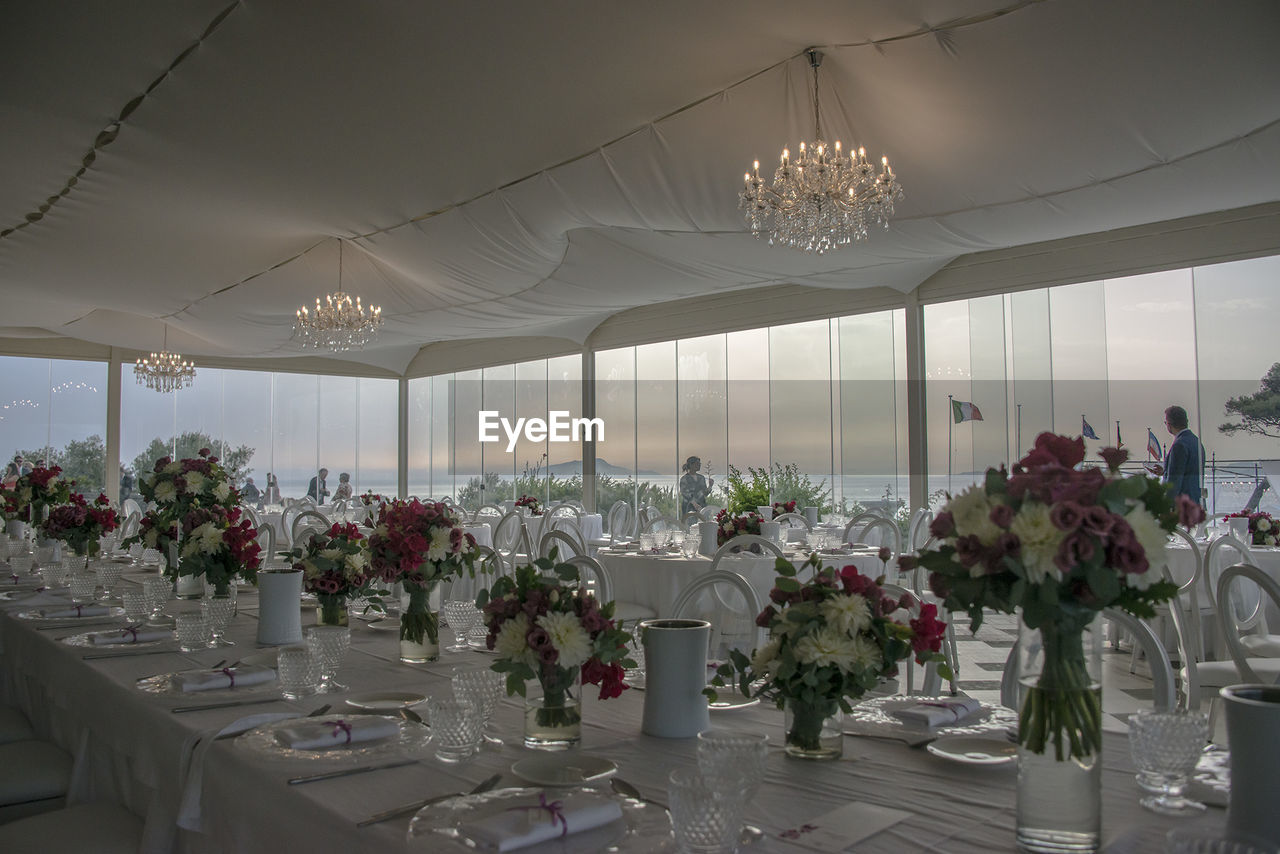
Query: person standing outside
<point>1184,458</point>
<point>694,488</point>
<point>316,488</point>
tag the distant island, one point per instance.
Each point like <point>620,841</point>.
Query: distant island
<point>602,467</point>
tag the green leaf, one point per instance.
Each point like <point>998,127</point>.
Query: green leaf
<point>787,585</point>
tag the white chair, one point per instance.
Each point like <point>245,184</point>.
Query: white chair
<point>918,529</point>
<point>742,544</point>
<point>931,685</point>
<point>860,521</point>
<point>1251,668</point>
<point>251,514</point>
<point>131,523</point>
<point>1216,558</point>
<point>729,603</point>
<point>597,577</point>
<point>490,513</point>
<point>690,519</point>
<point>1187,600</point>
<point>1163,695</point>
<point>565,543</point>
<point>790,521</point>
<point>660,523</point>
<point>709,512</point>
<point>97,827</point>
<point>560,517</point>
<point>266,537</point>
<point>618,522</point>
<point>306,519</point>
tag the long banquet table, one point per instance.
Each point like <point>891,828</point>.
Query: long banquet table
<point>131,749</point>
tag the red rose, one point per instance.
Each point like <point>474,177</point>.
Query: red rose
<point>1066,516</point>
<point>1052,449</point>
<point>1190,513</point>
<point>1114,457</point>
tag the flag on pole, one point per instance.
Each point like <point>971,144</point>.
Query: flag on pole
<point>964,411</point>
<point>1086,430</point>
<point>1153,445</point>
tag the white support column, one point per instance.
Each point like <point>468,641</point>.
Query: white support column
<point>402,438</point>
<point>588,444</point>
<point>113,427</point>
<point>917,420</point>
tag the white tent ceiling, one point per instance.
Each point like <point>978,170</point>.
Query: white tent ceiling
<point>532,169</point>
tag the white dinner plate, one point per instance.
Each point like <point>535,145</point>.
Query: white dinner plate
<point>569,768</point>
<point>70,621</point>
<point>412,739</point>
<point>975,749</point>
<point>383,625</point>
<point>385,701</point>
<point>166,684</point>
<point>441,827</point>
<point>17,595</point>
<point>86,640</point>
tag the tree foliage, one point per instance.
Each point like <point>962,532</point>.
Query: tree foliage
<point>1259,413</point>
<point>83,461</point>
<point>234,459</point>
<point>779,483</point>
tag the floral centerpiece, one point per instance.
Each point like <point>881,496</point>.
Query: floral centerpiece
<point>1057,543</point>
<point>335,566</point>
<point>1263,530</point>
<point>27,499</point>
<point>176,487</point>
<point>544,625</point>
<point>535,509</point>
<point>419,545</point>
<point>80,524</point>
<point>780,507</point>
<point>217,545</point>
<point>729,526</point>
<point>831,639</point>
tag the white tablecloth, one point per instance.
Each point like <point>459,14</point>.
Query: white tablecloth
<point>656,580</point>
<point>1267,558</point>
<point>590,526</point>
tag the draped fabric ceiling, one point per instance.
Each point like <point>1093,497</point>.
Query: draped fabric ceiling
<point>533,169</point>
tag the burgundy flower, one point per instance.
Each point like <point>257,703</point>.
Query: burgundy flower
<point>1076,548</point>
<point>939,585</point>
<point>1066,516</point>
<point>884,554</point>
<point>765,618</point>
<point>1008,544</point>
<point>969,550</point>
<point>1128,557</point>
<point>1114,457</point>
<point>943,525</point>
<point>1098,521</point>
<point>1002,515</point>
<point>927,630</point>
<point>1052,449</point>
<point>906,563</point>
<point>1190,513</point>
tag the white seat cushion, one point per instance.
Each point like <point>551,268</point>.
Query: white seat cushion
<point>1261,646</point>
<point>32,771</point>
<point>632,612</point>
<point>1219,674</point>
<point>14,725</point>
<point>100,828</point>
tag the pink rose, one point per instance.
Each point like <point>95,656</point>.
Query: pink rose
<point>1076,548</point>
<point>1066,516</point>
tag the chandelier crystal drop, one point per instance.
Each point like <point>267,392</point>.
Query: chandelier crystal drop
<point>164,371</point>
<point>338,323</point>
<point>822,199</point>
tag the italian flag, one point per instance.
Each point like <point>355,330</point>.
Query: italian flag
<point>964,411</point>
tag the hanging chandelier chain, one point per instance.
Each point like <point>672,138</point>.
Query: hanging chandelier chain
<point>815,59</point>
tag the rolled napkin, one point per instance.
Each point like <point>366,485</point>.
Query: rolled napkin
<point>941,711</point>
<point>535,819</point>
<point>129,634</point>
<point>336,732</point>
<point>74,612</point>
<point>227,677</point>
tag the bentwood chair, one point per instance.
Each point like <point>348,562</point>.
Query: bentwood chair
<point>1237,616</point>
<point>565,543</point>
<point>729,603</point>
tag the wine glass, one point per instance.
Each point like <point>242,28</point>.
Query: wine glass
<point>158,589</point>
<point>462,616</point>
<point>1165,746</point>
<point>330,645</point>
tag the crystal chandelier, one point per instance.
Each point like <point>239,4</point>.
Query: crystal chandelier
<point>338,324</point>
<point>164,371</point>
<point>821,200</point>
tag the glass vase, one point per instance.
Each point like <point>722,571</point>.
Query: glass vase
<point>331,609</point>
<point>1060,733</point>
<point>419,625</point>
<point>553,721</point>
<point>813,730</point>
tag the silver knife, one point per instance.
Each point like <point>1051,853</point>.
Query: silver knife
<point>484,786</point>
<point>347,772</point>
<point>207,707</point>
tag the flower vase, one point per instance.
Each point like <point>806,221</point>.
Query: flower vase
<point>419,625</point>
<point>331,610</point>
<point>553,721</point>
<point>813,730</point>
<point>1060,733</point>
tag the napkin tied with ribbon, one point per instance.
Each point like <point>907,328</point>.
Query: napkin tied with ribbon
<point>538,818</point>
<point>336,732</point>
<point>242,676</point>
<point>74,612</point>
<point>940,711</point>
<point>130,635</point>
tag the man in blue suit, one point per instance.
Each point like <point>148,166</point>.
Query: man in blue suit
<point>1184,458</point>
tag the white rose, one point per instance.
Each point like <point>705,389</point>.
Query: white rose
<point>1264,525</point>
<point>1040,539</point>
<point>358,561</point>
<point>1270,541</point>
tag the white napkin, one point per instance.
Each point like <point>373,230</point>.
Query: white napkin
<point>84,611</point>
<point>329,732</point>
<point>211,680</point>
<point>516,828</point>
<point>127,636</point>
<point>939,712</point>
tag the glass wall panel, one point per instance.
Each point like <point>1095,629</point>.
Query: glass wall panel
<point>947,354</point>
<point>420,422</point>
<point>1080,354</point>
<point>501,394</point>
<point>564,459</point>
<point>702,402</point>
<point>55,410</point>
<point>148,424</point>
<point>800,406</point>
<point>246,438</point>
<point>442,471</point>
<point>656,425</point>
<point>868,394</point>
<point>616,407</point>
<point>295,425</point>
<point>376,446</point>
<point>990,437</point>
<point>1031,367</point>
<point>468,461</point>
<point>748,407</point>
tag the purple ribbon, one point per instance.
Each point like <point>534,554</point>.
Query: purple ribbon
<point>78,610</point>
<point>230,673</point>
<point>131,630</point>
<point>555,809</point>
<point>14,577</point>
<point>339,726</point>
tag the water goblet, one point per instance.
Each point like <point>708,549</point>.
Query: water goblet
<point>52,576</point>
<point>219,610</point>
<point>108,577</point>
<point>676,539</point>
<point>736,757</point>
<point>661,538</point>
<point>329,644</point>
<point>1165,746</point>
<point>298,671</point>
<point>83,588</point>
<point>21,564</point>
<point>461,616</point>
<point>483,688</point>
<point>136,609</point>
<point>455,729</point>
<point>158,589</point>
<point>192,629</point>
<point>646,542</point>
<point>707,818</point>
<point>135,552</point>
<point>689,547</point>
<point>635,677</point>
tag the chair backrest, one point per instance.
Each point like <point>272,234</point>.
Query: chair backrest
<point>660,523</point>
<point>251,514</point>
<point>128,506</point>
<point>507,532</point>
<point>619,521</point>
<point>742,543</point>
<point>1187,633</point>
<point>793,520</point>
<point>859,521</point>
<point>1188,591</point>
<point>594,576</point>
<point>559,517</point>
<point>732,617</point>
<point>489,564</point>
<point>918,529</point>
<point>931,685</point>
<point>1215,562</point>
<point>567,545</point>
<point>690,519</point>
<point>1163,695</point>
<point>131,523</point>
<point>1231,624</point>
<point>309,519</point>
<point>889,531</point>
<point>709,512</point>
<point>491,513</point>
<point>266,537</point>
